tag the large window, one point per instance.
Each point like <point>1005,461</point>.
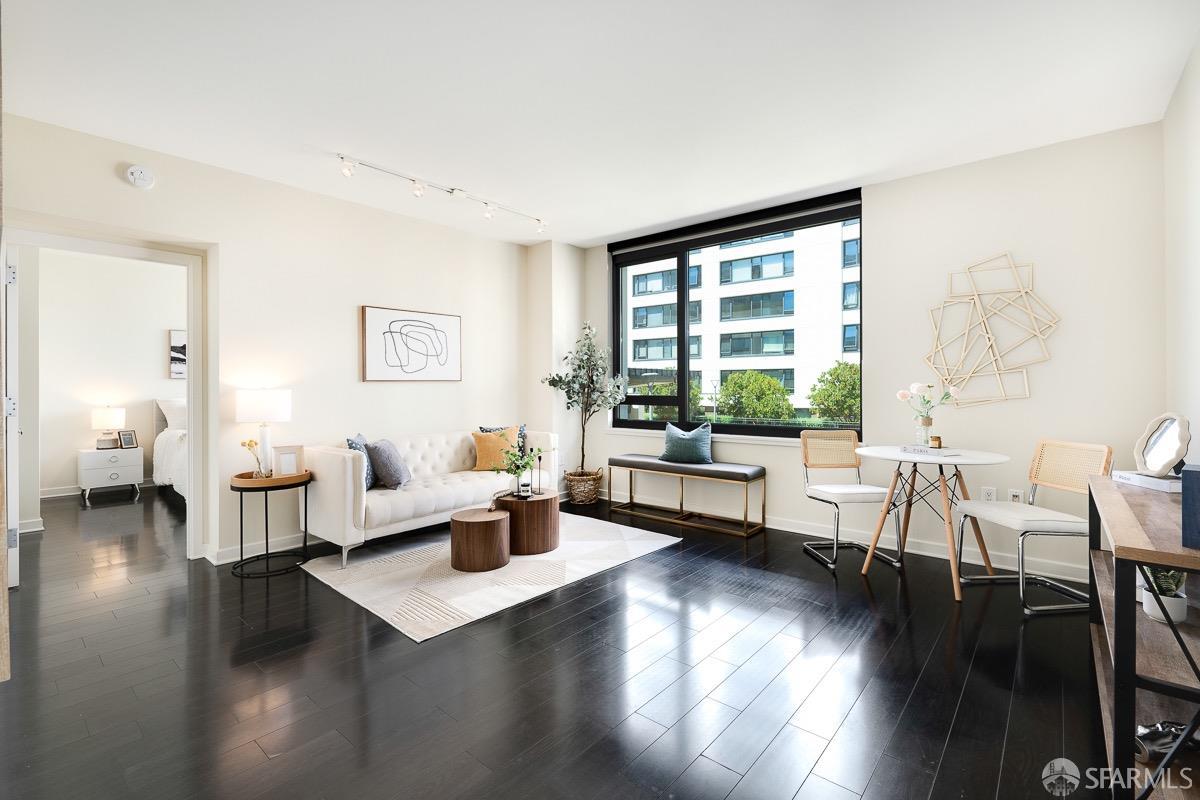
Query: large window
<point>754,358</point>
<point>758,268</point>
<point>754,306</point>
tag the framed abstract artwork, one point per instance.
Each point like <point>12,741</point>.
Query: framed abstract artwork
<point>402,345</point>
<point>177,358</point>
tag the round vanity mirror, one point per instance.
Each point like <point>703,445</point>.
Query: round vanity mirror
<point>1164,444</point>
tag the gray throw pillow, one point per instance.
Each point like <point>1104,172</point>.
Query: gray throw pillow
<point>389,466</point>
<point>359,443</point>
<point>688,447</point>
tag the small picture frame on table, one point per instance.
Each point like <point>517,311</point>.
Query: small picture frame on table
<point>128,439</point>
<point>287,460</point>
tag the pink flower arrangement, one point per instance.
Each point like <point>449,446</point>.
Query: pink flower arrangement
<point>925,397</point>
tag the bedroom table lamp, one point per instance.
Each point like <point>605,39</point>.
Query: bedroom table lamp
<point>108,421</point>
<point>264,406</point>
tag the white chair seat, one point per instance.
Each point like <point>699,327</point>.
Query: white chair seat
<point>1022,516</point>
<point>848,493</point>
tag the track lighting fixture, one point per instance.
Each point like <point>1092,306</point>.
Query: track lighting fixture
<point>419,186</point>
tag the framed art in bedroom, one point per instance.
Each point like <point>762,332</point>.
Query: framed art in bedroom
<point>128,439</point>
<point>402,345</point>
<point>177,354</point>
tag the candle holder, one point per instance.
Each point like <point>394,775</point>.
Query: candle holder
<point>540,489</point>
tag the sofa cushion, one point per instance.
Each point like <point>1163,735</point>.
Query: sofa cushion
<point>490,447</point>
<point>421,497</point>
<point>359,443</point>
<point>497,428</point>
<point>389,468</point>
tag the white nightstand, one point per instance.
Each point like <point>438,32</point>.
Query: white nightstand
<point>100,468</point>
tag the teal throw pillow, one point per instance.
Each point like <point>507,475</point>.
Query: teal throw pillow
<point>688,447</point>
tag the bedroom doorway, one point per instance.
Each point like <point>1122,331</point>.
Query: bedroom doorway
<point>108,377</point>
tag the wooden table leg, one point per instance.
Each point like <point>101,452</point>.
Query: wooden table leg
<point>949,520</point>
<point>966,495</point>
<point>883,515</point>
<point>912,487</point>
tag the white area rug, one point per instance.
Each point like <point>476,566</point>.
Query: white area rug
<point>411,584</point>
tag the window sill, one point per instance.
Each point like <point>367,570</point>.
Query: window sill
<point>735,438</point>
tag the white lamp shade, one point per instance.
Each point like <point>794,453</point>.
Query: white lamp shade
<point>264,405</point>
<point>108,419</point>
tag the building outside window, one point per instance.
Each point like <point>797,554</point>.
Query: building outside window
<point>798,318</point>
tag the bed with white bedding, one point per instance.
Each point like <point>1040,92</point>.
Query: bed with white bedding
<point>170,454</point>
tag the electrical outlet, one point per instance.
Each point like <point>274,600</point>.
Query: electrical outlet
<point>1015,495</point>
<point>987,494</point>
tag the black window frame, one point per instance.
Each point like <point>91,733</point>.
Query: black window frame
<point>680,244</point>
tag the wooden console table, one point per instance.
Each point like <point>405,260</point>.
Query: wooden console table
<point>1146,671</point>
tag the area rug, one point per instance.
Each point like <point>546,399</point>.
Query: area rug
<point>411,585</point>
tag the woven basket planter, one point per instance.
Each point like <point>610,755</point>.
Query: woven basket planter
<point>584,487</point>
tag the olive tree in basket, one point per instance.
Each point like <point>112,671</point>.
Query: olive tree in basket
<point>589,385</point>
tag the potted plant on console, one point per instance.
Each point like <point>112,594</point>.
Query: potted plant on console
<point>589,385</point>
<point>1167,584</point>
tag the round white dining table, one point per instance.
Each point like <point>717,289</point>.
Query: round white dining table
<point>949,484</point>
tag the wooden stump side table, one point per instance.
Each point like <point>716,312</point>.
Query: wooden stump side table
<point>478,540</point>
<point>533,527</point>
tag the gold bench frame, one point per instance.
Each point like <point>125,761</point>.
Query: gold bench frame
<point>690,518</point>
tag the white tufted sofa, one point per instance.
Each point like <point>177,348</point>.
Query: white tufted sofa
<point>340,510</point>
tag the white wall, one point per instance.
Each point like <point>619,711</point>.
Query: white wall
<point>287,271</point>
<point>1089,214</point>
<point>103,327</point>
<point>1181,171</point>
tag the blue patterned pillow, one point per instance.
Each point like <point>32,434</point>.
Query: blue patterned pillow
<point>688,447</point>
<point>359,443</point>
<point>520,434</point>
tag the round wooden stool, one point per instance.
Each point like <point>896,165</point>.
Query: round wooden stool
<point>478,540</point>
<point>534,525</point>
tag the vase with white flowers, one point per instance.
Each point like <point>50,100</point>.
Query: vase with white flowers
<point>923,398</point>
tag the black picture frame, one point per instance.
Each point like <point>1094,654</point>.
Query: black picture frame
<point>128,439</point>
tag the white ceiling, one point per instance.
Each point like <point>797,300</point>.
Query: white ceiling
<point>607,118</point>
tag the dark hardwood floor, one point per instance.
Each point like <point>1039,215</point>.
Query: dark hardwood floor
<point>706,670</point>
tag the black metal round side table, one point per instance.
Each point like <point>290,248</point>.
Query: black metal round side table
<point>244,482</point>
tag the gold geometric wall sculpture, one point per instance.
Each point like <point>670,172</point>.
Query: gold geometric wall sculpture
<point>987,332</point>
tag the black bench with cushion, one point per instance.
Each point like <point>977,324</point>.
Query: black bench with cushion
<point>744,474</point>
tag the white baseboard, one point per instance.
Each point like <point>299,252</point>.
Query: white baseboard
<point>227,555</point>
<point>31,525</point>
<point>69,491</point>
<point>926,547</point>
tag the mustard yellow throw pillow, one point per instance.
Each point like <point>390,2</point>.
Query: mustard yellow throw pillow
<point>490,447</point>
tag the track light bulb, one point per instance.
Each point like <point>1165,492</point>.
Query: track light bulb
<point>418,188</point>
<point>348,167</point>
<point>489,211</point>
<point>541,223</point>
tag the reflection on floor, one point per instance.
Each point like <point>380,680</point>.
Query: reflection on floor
<point>703,670</point>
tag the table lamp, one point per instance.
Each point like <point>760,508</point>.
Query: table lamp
<point>264,406</point>
<point>108,421</point>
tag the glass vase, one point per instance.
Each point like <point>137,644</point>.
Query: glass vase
<point>924,429</point>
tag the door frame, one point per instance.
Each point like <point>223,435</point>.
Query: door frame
<point>201,384</point>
